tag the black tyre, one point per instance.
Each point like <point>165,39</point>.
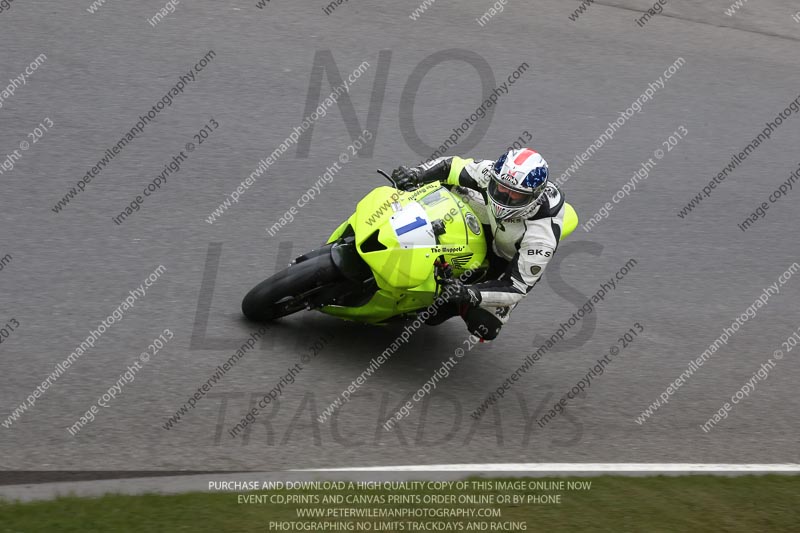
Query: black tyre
<point>291,289</point>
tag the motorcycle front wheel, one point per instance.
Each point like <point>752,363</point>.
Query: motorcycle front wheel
<point>291,289</point>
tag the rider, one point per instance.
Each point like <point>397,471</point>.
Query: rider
<point>522,213</point>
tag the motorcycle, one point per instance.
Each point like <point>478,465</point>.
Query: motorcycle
<point>388,260</point>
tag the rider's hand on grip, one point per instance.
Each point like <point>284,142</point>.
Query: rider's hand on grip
<point>443,272</point>
<point>456,292</point>
<point>406,178</point>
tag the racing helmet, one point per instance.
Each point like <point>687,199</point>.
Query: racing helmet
<point>518,181</point>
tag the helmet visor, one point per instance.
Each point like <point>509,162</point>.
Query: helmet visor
<point>508,197</point>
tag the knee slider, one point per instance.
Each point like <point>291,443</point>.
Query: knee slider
<point>486,333</point>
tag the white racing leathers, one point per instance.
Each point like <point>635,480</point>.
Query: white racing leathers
<point>527,244</point>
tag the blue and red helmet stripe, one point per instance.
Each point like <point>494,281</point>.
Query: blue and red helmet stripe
<point>536,178</point>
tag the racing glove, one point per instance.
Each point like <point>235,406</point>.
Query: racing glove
<point>410,178</point>
<point>460,294</point>
<point>406,178</point>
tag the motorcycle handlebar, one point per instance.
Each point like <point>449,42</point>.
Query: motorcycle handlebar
<point>387,176</point>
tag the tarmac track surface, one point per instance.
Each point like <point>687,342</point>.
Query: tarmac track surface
<point>692,277</point>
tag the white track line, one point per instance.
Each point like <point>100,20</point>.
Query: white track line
<point>199,482</point>
<point>572,467</point>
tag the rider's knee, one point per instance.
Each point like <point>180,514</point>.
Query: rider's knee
<point>446,312</point>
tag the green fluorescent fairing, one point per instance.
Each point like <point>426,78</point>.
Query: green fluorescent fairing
<point>394,236</point>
